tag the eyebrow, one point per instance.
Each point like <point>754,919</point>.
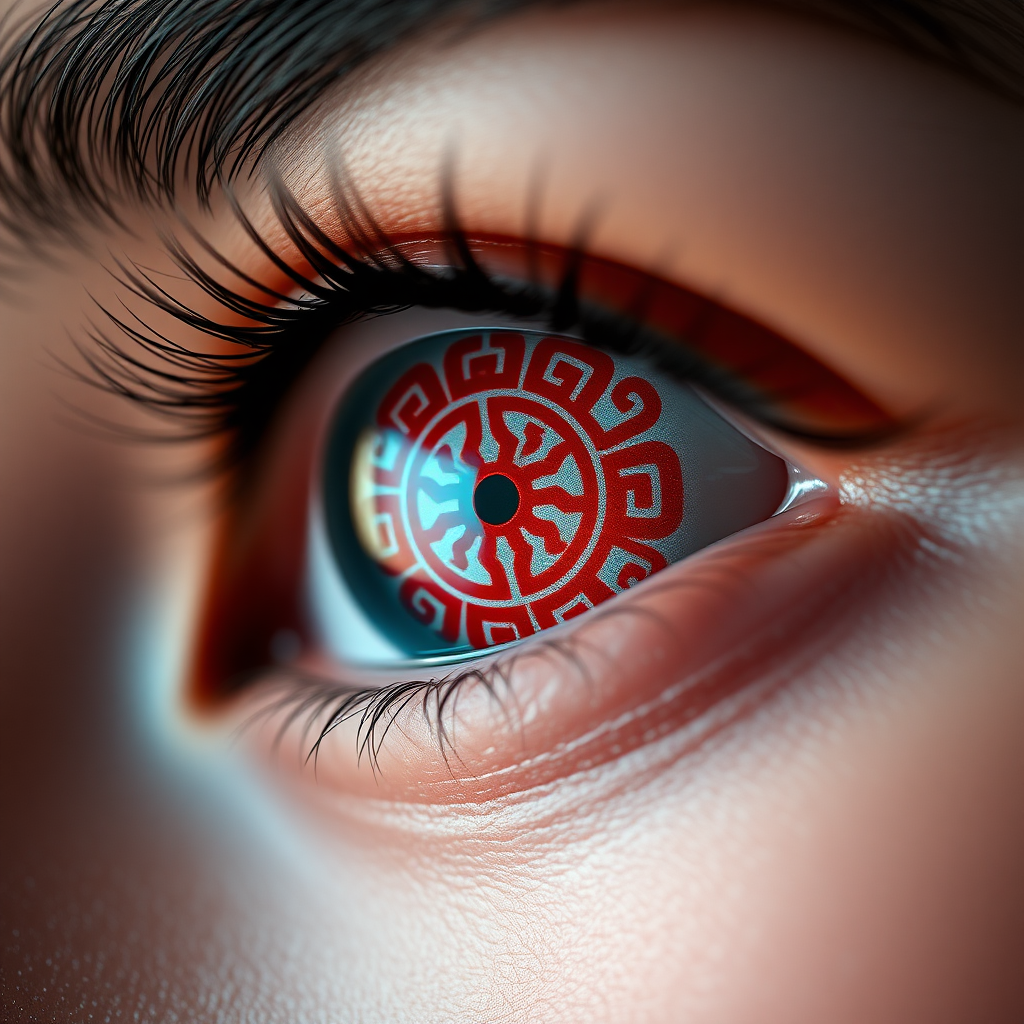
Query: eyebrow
<point>104,102</point>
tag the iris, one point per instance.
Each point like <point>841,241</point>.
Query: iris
<point>482,486</point>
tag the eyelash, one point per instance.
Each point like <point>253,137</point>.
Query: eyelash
<point>314,700</point>
<point>323,705</point>
<point>230,397</point>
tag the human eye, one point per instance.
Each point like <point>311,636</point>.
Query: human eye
<point>308,619</point>
<point>628,422</point>
<point>775,777</point>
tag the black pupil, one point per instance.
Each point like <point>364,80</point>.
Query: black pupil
<point>496,499</point>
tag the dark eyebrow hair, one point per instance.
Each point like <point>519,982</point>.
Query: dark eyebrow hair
<point>108,101</point>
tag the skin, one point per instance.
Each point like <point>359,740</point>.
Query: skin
<point>838,839</point>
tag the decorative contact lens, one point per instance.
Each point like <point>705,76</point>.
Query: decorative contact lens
<point>483,485</point>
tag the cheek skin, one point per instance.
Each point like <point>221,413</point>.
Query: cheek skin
<point>846,851</point>
<point>849,852</point>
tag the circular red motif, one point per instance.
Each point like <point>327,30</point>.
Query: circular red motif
<point>512,486</point>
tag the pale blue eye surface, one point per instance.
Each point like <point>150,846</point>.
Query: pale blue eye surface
<point>482,485</point>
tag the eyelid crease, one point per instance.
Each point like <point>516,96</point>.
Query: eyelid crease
<point>268,332</point>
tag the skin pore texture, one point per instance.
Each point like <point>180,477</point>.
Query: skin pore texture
<point>838,839</point>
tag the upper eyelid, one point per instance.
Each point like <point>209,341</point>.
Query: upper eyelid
<point>205,389</point>
<point>186,89</point>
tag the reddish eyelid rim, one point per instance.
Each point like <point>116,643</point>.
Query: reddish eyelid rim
<point>804,389</point>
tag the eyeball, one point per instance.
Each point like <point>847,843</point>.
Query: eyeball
<point>482,486</point>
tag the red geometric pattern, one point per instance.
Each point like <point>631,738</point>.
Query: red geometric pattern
<point>593,492</point>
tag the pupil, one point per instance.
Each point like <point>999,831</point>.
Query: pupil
<point>496,499</point>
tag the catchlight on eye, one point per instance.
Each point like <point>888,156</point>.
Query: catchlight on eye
<point>481,486</point>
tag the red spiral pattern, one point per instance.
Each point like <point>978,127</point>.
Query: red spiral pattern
<point>594,489</point>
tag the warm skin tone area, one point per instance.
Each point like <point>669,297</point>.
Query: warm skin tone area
<point>780,782</point>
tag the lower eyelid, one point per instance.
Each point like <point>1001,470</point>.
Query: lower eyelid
<point>694,649</point>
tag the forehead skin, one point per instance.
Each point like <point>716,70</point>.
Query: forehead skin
<point>852,853</point>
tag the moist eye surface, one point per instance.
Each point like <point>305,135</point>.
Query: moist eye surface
<point>483,485</point>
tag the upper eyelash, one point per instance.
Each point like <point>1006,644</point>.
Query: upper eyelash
<point>231,396</point>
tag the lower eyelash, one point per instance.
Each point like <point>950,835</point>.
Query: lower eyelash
<point>323,705</point>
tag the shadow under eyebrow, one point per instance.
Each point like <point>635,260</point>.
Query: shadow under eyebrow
<point>104,102</point>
